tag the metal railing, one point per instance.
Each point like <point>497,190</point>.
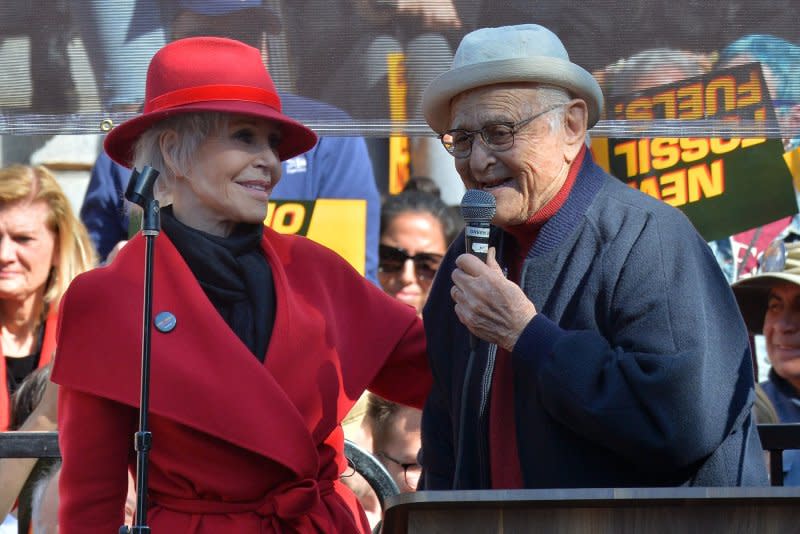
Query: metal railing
<point>775,439</point>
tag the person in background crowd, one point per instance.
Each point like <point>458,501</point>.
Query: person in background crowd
<point>394,49</point>
<point>736,255</point>
<point>33,409</point>
<point>423,183</point>
<point>372,36</point>
<point>44,501</point>
<point>216,132</point>
<point>770,305</point>
<point>780,61</point>
<point>416,228</point>
<point>572,357</point>
<point>651,68</point>
<point>120,37</point>
<point>43,246</point>
<point>395,433</point>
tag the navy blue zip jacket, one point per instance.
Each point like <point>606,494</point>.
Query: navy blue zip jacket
<point>636,372</point>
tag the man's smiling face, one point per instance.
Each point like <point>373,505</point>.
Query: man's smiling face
<point>526,176</point>
<point>782,331</point>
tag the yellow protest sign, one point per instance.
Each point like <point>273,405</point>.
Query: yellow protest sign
<point>339,224</point>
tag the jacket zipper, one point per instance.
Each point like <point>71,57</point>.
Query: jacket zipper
<point>483,416</point>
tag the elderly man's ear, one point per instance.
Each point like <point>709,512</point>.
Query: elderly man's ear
<point>576,117</point>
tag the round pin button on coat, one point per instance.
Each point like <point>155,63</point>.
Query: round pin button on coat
<point>165,322</point>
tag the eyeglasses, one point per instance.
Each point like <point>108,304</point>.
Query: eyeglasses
<point>497,136</point>
<point>393,260</point>
<point>413,468</point>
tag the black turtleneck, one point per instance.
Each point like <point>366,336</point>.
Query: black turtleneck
<point>234,275</point>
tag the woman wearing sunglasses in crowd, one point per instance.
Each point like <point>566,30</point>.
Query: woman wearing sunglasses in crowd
<point>416,229</point>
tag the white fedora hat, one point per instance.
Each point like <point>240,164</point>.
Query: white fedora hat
<point>523,53</point>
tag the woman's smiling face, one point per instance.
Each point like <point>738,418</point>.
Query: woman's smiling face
<point>230,178</point>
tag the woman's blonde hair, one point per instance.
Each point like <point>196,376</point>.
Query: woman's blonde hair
<point>25,183</point>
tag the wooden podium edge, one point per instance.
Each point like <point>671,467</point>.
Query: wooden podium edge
<point>396,510</point>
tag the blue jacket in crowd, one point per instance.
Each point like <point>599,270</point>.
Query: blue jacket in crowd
<point>786,401</point>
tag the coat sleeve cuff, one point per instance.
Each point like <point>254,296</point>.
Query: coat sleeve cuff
<point>537,340</point>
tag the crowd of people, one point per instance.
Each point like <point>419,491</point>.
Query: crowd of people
<point>570,358</point>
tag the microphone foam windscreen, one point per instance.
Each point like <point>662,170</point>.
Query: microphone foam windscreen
<point>478,206</point>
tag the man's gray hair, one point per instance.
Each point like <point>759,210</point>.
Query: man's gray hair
<point>192,130</point>
<point>548,96</point>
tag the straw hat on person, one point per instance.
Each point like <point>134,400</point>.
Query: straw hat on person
<point>208,74</point>
<point>523,53</point>
<point>752,293</point>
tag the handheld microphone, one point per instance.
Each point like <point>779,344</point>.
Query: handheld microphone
<point>477,208</point>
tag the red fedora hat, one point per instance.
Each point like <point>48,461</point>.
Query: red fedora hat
<point>208,74</point>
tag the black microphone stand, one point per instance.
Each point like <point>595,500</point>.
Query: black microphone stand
<point>140,192</point>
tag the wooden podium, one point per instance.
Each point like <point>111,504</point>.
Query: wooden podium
<point>597,511</point>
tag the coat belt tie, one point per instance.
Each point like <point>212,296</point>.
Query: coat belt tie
<point>287,501</point>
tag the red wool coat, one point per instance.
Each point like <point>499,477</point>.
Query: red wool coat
<point>238,446</point>
<point>46,354</point>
